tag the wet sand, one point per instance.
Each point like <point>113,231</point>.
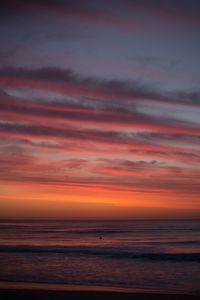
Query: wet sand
<point>33,291</point>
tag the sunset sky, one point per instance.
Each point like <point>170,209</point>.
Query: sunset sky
<point>100,109</point>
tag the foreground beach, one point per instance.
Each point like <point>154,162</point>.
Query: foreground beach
<point>34,291</point>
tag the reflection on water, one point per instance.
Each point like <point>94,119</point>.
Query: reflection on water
<point>141,254</point>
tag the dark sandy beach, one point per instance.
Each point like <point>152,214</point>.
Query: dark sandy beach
<point>24,291</point>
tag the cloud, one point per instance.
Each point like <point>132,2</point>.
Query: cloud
<point>169,13</point>
<point>62,133</point>
<point>51,74</point>
<point>126,167</point>
<point>79,118</point>
<point>89,110</point>
<point>88,86</point>
<point>113,175</point>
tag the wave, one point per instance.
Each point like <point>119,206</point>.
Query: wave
<point>103,251</point>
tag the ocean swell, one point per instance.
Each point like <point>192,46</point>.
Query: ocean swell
<point>103,251</point>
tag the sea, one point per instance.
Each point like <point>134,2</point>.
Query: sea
<point>142,254</point>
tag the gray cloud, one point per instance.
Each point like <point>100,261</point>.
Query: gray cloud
<point>122,89</point>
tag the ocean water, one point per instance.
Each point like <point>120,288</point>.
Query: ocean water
<point>145,254</point>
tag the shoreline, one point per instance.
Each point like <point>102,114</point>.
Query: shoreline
<point>47,291</point>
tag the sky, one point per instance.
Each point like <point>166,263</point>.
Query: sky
<point>100,109</point>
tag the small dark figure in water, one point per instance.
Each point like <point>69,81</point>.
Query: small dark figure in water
<point>100,237</point>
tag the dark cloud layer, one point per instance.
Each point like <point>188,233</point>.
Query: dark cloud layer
<point>127,89</point>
